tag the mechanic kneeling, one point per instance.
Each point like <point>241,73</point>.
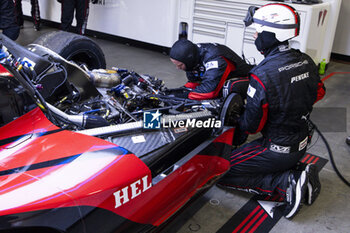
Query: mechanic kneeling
<point>280,96</point>
<point>207,67</point>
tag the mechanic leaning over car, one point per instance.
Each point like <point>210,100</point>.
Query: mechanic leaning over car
<point>207,67</point>
<point>81,8</point>
<point>8,23</point>
<point>280,96</point>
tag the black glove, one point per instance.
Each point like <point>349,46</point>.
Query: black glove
<point>182,94</point>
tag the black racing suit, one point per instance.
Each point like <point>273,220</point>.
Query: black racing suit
<point>35,12</point>
<point>280,96</point>
<point>7,19</point>
<point>217,64</point>
<point>81,15</point>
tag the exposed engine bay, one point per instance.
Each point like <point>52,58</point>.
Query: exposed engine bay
<point>76,98</point>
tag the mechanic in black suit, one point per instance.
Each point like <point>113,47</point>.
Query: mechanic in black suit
<point>208,66</point>
<point>81,8</point>
<point>35,12</point>
<point>7,19</point>
<point>281,93</point>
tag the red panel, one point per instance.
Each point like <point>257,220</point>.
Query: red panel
<point>38,148</point>
<point>32,160</point>
<point>226,137</point>
<point>25,124</point>
<point>121,172</point>
<point>20,180</point>
<point>158,203</point>
<point>4,72</point>
<point>92,191</point>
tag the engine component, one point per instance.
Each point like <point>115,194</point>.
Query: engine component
<point>85,121</point>
<point>65,92</point>
<point>104,78</point>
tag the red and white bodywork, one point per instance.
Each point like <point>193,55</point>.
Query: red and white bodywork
<point>63,180</point>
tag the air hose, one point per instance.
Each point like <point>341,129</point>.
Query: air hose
<point>331,157</point>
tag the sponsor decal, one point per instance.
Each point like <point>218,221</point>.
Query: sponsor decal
<point>251,91</point>
<point>283,48</point>
<point>292,66</point>
<point>279,149</point>
<point>273,15</point>
<point>131,191</point>
<point>303,144</point>
<point>153,120</point>
<point>299,77</point>
<point>211,65</point>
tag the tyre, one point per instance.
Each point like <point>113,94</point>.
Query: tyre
<point>74,47</point>
<point>231,109</point>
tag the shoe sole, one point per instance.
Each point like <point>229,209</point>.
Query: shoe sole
<point>300,189</point>
<point>312,194</point>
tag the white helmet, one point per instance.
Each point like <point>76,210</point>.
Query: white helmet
<point>281,19</point>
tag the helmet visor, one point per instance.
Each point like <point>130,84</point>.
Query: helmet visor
<point>248,20</point>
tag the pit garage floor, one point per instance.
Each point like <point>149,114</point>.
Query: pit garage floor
<point>233,211</point>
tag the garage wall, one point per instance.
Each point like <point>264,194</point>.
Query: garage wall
<point>127,19</point>
<point>150,21</point>
<point>341,43</point>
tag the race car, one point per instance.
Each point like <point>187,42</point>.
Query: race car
<point>122,157</point>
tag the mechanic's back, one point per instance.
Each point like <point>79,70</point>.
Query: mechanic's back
<point>286,81</point>
<point>207,66</point>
